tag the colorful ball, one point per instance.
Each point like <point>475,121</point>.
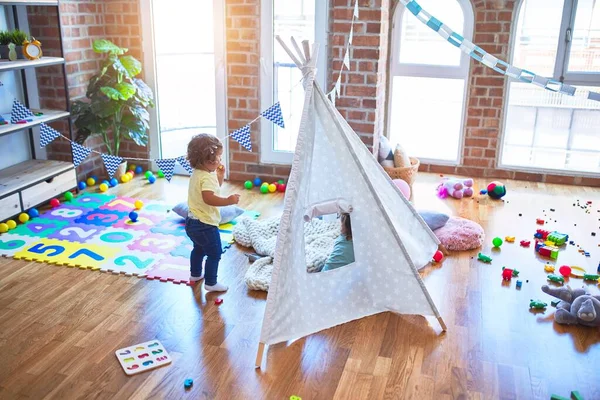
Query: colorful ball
<point>34,213</point>
<point>272,188</point>
<point>133,216</point>
<point>151,179</point>
<point>138,204</point>
<point>91,181</point>
<point>565,271</point>
<point>3,228</point>
<point>281,182</point>
<point>95,178</point>
<point>23,218</point>
<point>148,173</point>
<point>81,185</point>
<point>248,185</point>
<point>54,203</point>
<point>264,189</point>
<point>113,182</point>
<point>160,174</point>
<point>496,190</point>
<point>257,181</point>
<point>497,242</point>
<point>281,188</point>
<point>106,182</point>
<point>68,196</point>
<point>438,256</point>
<point>131,167</point>
<point>130,173</point>
<point>103,187</point>
<point>139,169</point>
<point>125,178</point>
<point>11,224</point>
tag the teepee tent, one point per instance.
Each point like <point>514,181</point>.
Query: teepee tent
<point>391,241</point>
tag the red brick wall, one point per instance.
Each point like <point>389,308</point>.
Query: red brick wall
<point>83,21</point>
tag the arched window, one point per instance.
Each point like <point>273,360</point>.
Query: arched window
<point>543,130</point>
<point>428,82</point>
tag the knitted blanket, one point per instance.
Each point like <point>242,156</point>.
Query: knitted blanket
<point>319,237</point>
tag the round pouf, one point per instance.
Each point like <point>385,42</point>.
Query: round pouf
<point>496,190</point>
<point>460,234</point>
<point>403,186</point>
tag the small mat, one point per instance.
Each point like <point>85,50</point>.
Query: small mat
<point>93,231</point>
<point>460,234</point>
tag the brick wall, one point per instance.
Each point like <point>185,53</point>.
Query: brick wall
<point>83,21</point>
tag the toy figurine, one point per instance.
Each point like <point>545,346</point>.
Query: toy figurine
<point>484,258</point>
<point>537,304</point>
<point>556,279</point>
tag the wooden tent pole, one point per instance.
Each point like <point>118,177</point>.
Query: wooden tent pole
<point>442,324</point>
<point>259,355</point>
<point>297,48</point>
<point>306,49</point>
<point>289,51</point>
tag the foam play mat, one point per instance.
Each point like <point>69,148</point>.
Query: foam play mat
<point>93,231</point>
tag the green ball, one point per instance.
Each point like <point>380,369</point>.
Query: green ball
<point>160,174</point>
<point>264,189</point>
<point>248,185</point>
<point>497,242</point>
<point>68,196</point>
<point>281,182</point>
<point>147,174</point>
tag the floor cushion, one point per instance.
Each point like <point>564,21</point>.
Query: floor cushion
<point>460,234</point>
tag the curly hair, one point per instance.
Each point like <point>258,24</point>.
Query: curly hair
<point>203,148</point>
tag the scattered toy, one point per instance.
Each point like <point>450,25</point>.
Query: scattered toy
<point>509,239</point>
<point>438,256</point>
<point>565,271</point>
<point>218,301</point>
<point>519,284</point>
<point>188,383</point>
<point>525,243</point>
<point>539,221</point>
<point>556,279</point>
<point>484,258</point>
<point>507,274</point>
<point>537,304</point>
<point>591,277</point>
<point>548,268</point>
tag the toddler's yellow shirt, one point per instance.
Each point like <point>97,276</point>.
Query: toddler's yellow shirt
<point>203,181</point>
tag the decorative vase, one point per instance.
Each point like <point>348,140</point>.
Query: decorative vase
<point>4,52</point>
<point>121,170</point>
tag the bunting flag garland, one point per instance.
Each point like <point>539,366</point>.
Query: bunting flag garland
<point>19,112</point>
<point>111,163</point>
<point>47,135</point>
<point>242,136</point>
<point>185,164</point>
<point>274,115</point>
<point>167,166</point>
<point>79,153</point>
<point>356,10</point>
<point>347,59</point>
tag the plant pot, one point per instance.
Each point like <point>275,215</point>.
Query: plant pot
<point>121,170</point>
<point>4,52</point>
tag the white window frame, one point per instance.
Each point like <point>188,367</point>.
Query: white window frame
<point>560,71</point>
<point>267,154</point>
<point>432,71</point>
<point>149,72</point>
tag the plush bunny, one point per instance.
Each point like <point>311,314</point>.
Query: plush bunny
<point>455,187</point>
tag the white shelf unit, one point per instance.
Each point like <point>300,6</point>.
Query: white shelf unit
<point>34,181</point>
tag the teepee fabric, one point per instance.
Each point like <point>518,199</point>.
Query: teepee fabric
<point>391,241</point>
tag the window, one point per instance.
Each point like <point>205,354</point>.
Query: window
<point>280,78</point>
<point>428,82</point>
<point>185,71</point>
<point>546,130</point>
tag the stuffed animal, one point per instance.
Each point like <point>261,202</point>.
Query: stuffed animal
<point>577,306</point>
<point>455,187</point>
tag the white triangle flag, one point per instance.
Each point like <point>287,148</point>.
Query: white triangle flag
<point>332,96</point>
<point>351,34</point>
<point>347,59</point>
<point>356,9</point>
<point>338,84</point>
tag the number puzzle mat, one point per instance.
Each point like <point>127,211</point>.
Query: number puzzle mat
<point>93,231</point>
<point>143,357</point>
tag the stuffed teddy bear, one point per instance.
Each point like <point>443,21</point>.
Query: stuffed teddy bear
<point>577,306</point>
<point>455,187</point>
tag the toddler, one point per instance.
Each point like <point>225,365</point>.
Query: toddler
<point>202,223</point>
<point>343,250</point>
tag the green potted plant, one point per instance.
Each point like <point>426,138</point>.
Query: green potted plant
<point>116,102</point>
<point>17,37</point>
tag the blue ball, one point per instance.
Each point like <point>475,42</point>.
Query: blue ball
<point>257,182</point>
<point>139,170</point>
<point>151,179</point>
<point>34,213</point>
<point>114,182</point>
<point>94,177</point>
<point>81,185</point>
<point>133,216</point>
<point>107,183</point>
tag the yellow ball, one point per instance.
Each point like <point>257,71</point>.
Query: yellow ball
<point>90,182</point>
<point>138,204</point>
<point>3,228</point>
<point>103,187</point>
<point>23,217</point>
<point>131,167</point>
<point>11,224</point>
<point>272,188</point>
<point>125,178</point>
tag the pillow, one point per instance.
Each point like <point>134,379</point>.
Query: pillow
<point>385,155</point>
<point>401,158</point>
<point>433,219</point>
<point>228,213</point>
<point>460,234</point>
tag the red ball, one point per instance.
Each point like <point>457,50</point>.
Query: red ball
<point>491,187</point>
<point>565,270</point>
<point>281,187</point>
<point>54,203</point>
<point>438,256</point>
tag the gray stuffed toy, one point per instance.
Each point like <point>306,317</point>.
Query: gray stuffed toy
<point>577,306</point>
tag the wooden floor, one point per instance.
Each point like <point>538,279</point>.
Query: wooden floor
<point>59,327</point>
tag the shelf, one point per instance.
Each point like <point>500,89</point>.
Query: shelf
<point>29,3</point>
<point>29,172</point>
<point>49,116</point>
<point>20,64</point>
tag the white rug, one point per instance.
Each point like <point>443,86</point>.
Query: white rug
<point>319,237</point>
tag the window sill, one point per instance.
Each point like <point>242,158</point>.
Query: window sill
<point>560,172</point>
